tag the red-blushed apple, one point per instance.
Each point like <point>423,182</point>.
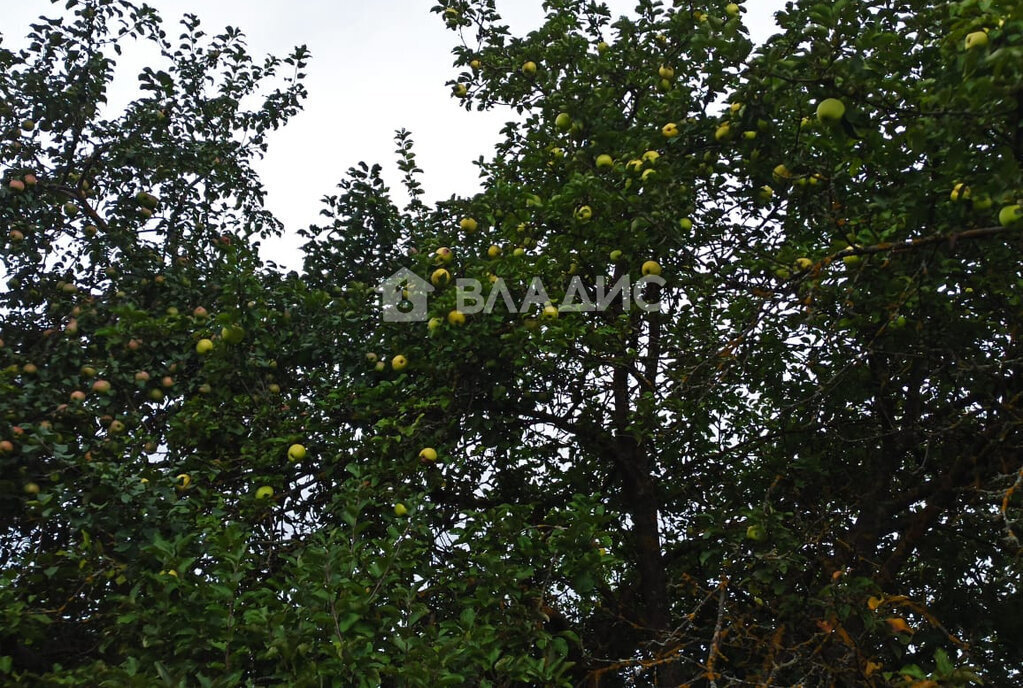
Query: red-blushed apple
<point>142,376</point>
<point>101,386</point>
<point>6,446</point>
<point>78,395</point>
<point>200,313</point>
<point>16,185</point>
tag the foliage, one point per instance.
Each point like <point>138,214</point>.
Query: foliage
<point>804,470</point>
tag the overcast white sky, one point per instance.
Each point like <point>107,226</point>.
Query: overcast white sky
<point>377,66</point>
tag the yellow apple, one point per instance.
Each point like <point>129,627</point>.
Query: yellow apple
<point>584,213</point>
<point>371,357</point>
<point>296,452</point>
<point>204,346</point>
<point>264,492</point>
<point>723,132</point>
<point>666,72</point>
<point>399,362</point>
<point>550,312</point>
<point>615,256</point>
<point>651,156</point>
<point>780,172</point>
<point>604,162</point>
<point>764,193</point>
<point>459,91</point>
<point>456,317</point>
<point>440,277</point>
<point>428,454</point>
<point>732,10</point>
<point>400,510</point>
<point>444,255</point>
<point>670,130</point>
<point>434,323</point>
<point>494,251</point>
<point>650,267</point>
<point>960,192</point>
<point>976,39</point>
<point>803,264</point>
<point>468,224</point>
<point>31,489</point>
<point>529,68</point>
<point>183,481</point>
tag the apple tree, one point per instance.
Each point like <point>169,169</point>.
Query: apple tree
<point>802,469</point>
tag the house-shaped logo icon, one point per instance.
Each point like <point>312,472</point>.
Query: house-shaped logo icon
<point>404,296</point>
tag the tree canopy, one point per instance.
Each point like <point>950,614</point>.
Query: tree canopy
<point>804,468</point>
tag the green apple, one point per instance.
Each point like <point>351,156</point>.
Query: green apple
<point>584,213</point>
<point>31,489</point>
<point>529,68</point>
<point>852,261</point>
<point>650,267</point>
<point>602,47</point>
<point>116,427</point>
<point>685,224</point>
<point>475,65</point>
<point>723,132</point>
<point>615,256</point>
<point>830,110</point>
<point>156,394</point>
<point>371,357</point>
<point>732,10</point>
<point>204,346</point>
<point>519,252</point>
<point>494,251</point>
<point>780,172</point>
<point>982,202</point>
<point>749,135</point>
<point>1010,216</point>
<point>147,200</point>
<point>802,264</point>
<point>666,72</point>
<point>976,39</point>
<point>456,318</point>
<point>205,388</point>
<point>440,277</point>
<point>605,162</point>
<point>400,510</point>
<point>428,454</point>
<point>549,312</point>
<point>468,224</point>
<point>764,193</point>
<point>459,91</point>
<point>88,371</point>
<point>264,492</point>
<point>296,452</point>
<point>756,533</point>
<point>648,175</point>
<point>670,130</point>
<point>233,334</point>
<point>434,323</point>
<point>399,362</point>
<point>563,121</point>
